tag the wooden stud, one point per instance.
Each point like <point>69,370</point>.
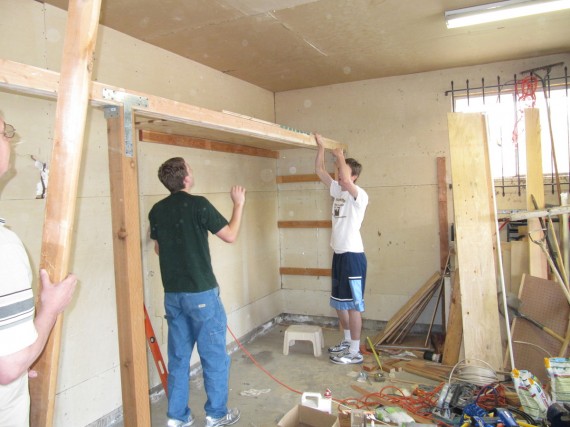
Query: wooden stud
<point>190,119</point>
<point>300,271</point>
<point>534,187</point>
<point>305,224</point>
<point>128,275</point>
<point>454,334</point>
<point>204,144</point>
<point>71,112</point>
<point>286,179</point>
<point>442,204</point>
<point>475,221</point>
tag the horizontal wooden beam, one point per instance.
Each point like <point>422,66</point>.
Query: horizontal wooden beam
<point>204,144</point>
<point>226,127</point>
<point>299,271</point>
<point>305,224</point>
<point>555,211</point>
<point>285,179</point>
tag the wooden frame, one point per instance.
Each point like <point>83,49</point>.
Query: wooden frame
<point>156,112</point>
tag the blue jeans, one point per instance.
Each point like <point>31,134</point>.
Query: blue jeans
<point>197,318</point>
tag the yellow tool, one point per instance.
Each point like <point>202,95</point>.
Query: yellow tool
<point>374,351</point>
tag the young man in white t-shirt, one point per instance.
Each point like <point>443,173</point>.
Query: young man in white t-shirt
<point>349,261</point>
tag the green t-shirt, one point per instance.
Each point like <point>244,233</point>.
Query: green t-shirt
<point>180,224</point>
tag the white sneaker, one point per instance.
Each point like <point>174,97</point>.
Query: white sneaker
<point>339,348</point>
<point>177,423</point>
<point>347,358</point>
<point>230,418</point>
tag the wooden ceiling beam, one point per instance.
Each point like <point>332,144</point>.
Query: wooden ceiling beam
<point>27,79</point>
<point>203,144</point>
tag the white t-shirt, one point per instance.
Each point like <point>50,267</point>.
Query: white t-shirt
<point>347,216</point>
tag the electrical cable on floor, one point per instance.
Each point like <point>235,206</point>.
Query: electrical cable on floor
<point>477,375</point>
<point>419,405</point>
<point>248,354</point>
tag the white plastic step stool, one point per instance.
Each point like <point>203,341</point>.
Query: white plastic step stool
<point>304,333</point>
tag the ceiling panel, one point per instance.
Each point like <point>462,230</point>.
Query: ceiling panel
<point>292,44</point>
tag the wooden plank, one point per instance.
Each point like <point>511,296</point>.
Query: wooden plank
<point>161,113</point>
<point>300,271</point>
<point>442,214</point>
<point>538,265</point>
<point>204,144</point>
<point>475,221</point>
<point>71,112</point>
<point>541,213</point>
<point>128,275</point>
<point>305,224</point>
<point>454,334</point>
<point>404,311</point>
<point>285,179</point>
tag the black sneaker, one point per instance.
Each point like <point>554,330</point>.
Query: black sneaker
<point>347,358</point>
<point>339,348</point>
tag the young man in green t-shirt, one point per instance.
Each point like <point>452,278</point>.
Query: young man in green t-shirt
<point>179,225</point>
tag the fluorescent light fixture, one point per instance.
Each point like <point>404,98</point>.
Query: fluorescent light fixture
<point>502,10</point>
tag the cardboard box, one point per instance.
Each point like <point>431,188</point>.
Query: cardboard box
<point>303,416</point>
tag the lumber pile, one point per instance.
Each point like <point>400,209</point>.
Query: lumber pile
<point>402,322</point>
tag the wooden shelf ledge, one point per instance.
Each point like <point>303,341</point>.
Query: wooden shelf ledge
<point>301,271</point>
<point>305,224</point>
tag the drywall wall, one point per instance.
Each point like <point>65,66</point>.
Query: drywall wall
<point>396,127</point>
<point>89,381</point>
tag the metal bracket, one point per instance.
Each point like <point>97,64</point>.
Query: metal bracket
<point>129,101</point>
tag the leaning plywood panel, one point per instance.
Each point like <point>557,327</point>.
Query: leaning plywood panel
<point>72,102</point>
<point>475,236</point>
<point>168,116</point>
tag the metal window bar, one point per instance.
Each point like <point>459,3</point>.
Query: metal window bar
<point>510,88</point>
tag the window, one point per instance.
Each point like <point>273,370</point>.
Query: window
<point>506,134</point>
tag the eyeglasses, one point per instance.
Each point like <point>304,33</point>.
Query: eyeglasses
<point>9,131</point>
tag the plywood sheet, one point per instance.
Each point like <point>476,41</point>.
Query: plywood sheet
<point>475,221</point>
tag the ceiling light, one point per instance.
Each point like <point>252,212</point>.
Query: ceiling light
<point>499,11</point>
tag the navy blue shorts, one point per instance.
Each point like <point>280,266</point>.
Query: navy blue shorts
<point>348,281</point>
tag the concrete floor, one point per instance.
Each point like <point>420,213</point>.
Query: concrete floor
<point>261,399</point>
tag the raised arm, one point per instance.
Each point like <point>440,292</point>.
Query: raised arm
<point>345,177</point>
<point>320,169</point>
<point>230,232</point>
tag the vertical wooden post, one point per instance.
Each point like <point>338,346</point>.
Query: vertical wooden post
<point>443,223</point>
<point>538,266</point>
<point>128,270</point>
<point>444,255</point>
<point>475,220</point>
<point>71,111</point>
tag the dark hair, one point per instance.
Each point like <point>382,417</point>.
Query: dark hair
<point>172,173</point>
<point>355,167</point>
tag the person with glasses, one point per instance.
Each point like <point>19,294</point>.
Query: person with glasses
<point>22,335</point>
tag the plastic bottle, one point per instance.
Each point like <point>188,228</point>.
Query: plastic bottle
<point>327,401</point>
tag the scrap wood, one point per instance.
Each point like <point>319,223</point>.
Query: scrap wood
<point>404,318</point>
<point>433,371</point>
